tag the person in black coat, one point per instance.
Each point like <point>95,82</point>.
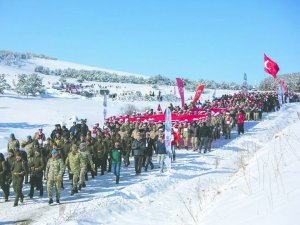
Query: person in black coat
<point>205,133</point>
<point>150,147</point>
<point>138,148</point>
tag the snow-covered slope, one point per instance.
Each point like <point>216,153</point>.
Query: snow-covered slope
<point>28,66</point>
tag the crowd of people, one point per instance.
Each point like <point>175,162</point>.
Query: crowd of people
<point>82,152</point>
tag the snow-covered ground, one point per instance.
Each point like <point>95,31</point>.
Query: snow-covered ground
<point>250,179</point>
<point>253,178</point>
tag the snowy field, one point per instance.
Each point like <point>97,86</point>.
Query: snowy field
<point>250,179</point>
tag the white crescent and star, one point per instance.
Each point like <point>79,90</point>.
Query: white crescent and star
<point>266,65</point>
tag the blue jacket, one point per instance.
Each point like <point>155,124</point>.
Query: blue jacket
<point>161,148</point>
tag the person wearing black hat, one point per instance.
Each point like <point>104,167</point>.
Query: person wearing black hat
<point>36,166</point>
<point>84,128</point>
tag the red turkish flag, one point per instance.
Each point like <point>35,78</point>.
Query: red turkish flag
<point>198,93</point>
<point>271,67</point>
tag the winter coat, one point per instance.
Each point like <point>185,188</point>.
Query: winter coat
<point>205,131</point>
<point>138,147</point>
<point>73,162</point>
<point>116,155</point>
<point>241,118</point>
<point>3,171</point>
<point>18,167</point>
<point>176,138</point>
<point>194,131</point>
<point>54,169</point>
<point>150,146</point>
<point>101,149</point>
<point>85,158</point>
<point>66,148</point>
<point>12,143</point>
<point>160,148</point>
<point>36,166</point>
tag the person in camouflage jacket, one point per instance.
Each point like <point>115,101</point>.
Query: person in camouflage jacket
<point>53,174</point>
<point>85,158</point>
<point>73,163</point>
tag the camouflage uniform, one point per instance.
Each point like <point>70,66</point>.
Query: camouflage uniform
<point>73,163</point>
<point>12,144</point>
<point>85,158</point>
<point>54,172</point>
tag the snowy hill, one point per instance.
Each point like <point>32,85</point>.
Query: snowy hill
<point>27,62</point>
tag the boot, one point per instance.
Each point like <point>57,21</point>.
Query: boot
<point>21,198</point>
<point>50,201</point>
<point>72,192</point>
<point>83,185</point>
<point>57,200</point>
<point>79,188</point>
<point>117,180</point>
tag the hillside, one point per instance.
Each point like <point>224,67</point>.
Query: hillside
<point>292,80</point>
<point>15,63</point>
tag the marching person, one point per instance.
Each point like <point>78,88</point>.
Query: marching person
<point>85,158</point>
<point>161,152</point>
<point>150,147</point>
<point>4,171</point>
<point>13,142</point>
<point>18,172</point>
<point>240,122</point>
<point>36,166</point>
<point>53,174</point>
<point>116,158</point>
<point>73,163</point>
<point>138,148</point>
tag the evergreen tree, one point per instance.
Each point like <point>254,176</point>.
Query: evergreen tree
<point>3,84</point>
<point>29,85</point>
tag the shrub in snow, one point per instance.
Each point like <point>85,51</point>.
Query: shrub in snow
<point>129,109</point>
